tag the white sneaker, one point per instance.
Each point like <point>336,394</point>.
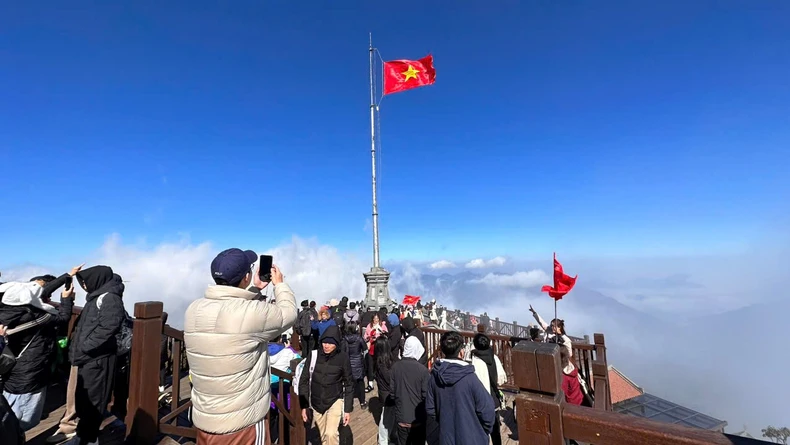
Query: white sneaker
<point>59,437</point>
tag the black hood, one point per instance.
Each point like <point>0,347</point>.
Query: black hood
<point>332,332</point>
<point>407,324</point>
<point>100,279</point>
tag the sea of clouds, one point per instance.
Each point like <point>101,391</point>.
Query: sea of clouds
<point>706,332</point>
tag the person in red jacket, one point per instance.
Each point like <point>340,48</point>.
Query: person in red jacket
<point>570,380</point>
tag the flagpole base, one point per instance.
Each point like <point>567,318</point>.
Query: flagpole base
<point>378,294</point>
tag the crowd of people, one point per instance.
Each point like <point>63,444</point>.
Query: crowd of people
<point>234,336</point>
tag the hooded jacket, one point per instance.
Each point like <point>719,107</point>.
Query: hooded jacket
<point>226,334</point>
<point>396,336</point>
<point>490,371</point>
<point>410,384</point>
<point>22,303</point>
<point>332,379</point>
<point>354,346</point>
<point>460,403</point>
<point>351,315</point>
<point>96,326</point>
<point>409,329</point>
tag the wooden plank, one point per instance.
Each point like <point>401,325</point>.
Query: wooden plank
<point>609,428</point>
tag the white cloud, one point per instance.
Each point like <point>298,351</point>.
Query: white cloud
<point>442,264</point>
<point>497,261</point>
<point>523,280</point>
<point>479,263</point>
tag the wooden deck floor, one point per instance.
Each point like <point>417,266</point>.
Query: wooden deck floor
<point>364,425</point>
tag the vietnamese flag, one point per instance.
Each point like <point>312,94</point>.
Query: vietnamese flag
<point>562,283</point>
<point>402,75</point>
<point>410,300</point>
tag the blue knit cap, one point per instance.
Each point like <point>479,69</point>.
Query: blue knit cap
<point>393,320</point>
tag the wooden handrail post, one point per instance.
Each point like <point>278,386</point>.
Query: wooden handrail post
<point>142,418</point>
<point>600,368</point>
<point>539,404</point>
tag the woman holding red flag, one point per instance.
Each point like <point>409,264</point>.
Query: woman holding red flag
<point>555,332</point>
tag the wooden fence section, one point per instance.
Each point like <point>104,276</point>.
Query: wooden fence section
<point>543,417</point>
<point>590,359</point>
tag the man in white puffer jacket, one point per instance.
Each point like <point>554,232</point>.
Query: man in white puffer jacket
<point>226,334</point>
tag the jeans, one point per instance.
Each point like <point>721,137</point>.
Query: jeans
<point>27,407</point>
<point>386,424</point>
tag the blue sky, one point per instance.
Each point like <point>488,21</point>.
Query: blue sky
<point>582,127</point>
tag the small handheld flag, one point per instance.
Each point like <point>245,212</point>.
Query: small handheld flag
<point>562,283</point>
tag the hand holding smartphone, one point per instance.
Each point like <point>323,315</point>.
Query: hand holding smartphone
<point>265,268</point>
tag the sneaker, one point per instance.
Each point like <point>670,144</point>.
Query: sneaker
<point>59,437</point>
<point>363,406</point>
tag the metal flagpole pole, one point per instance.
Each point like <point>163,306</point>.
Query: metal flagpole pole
<point>376,263</point>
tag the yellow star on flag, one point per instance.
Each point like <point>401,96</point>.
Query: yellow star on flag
<point>411,73</point>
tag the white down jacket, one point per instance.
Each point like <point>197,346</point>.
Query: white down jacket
<point>226,334</point>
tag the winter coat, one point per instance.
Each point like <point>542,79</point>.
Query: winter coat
<point>460,403</point>
<point>490,371</point>
<point>321,325</point>
<point>351,315</point>
<point>571,386</point>
<point>11,432</point>
<point>96,326</point>
<point>32,369</point>
<point>332,380</point>
<point>371,334</point>
<point>226,334</point>
<point>409,329</point>
<point>304,323</point>
<point>409,387</point>
<point>355,348</point>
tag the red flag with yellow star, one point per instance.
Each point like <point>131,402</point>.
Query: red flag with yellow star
<point>402,75</point>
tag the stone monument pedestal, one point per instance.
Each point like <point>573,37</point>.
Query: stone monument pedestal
<point>378,294</point>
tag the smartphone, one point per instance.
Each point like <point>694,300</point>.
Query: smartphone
<point>69,283</point>
<point>265,270</point>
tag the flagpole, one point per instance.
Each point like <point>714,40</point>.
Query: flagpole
<point>376,263</point>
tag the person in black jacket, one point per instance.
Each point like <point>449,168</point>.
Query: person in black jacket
<point>411,330</point>
<point>11,432</point>
<point>93,347</point>
<point>303,327</point>
<point>24,307</point>
<point>355,347</point>
<point>384,362</point>
<point>330,388</point>
<point>409,386</point>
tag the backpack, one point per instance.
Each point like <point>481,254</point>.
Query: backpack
<point>303,325</point>
<point>340,320</point>
<point>123,338</point>
<point>300,369</point>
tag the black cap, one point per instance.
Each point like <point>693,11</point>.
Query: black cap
<point>305,303</point>
<point>232,265</point>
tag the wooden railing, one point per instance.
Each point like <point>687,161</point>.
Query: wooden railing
<point>544,418</point>
<point>590,359</point>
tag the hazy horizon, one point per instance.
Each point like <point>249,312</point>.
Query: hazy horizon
<point>676,330</point>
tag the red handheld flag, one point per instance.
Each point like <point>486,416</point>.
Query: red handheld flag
<point>402,75</point>
<point>562,283</point>
<point>410,300</point>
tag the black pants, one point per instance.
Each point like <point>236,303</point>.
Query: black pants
<point>359,390</point>
<point>496,433</point>
<point>371,369</point>
<point>414,435</point>
<point>94,387</point>
<point>304,345</point>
